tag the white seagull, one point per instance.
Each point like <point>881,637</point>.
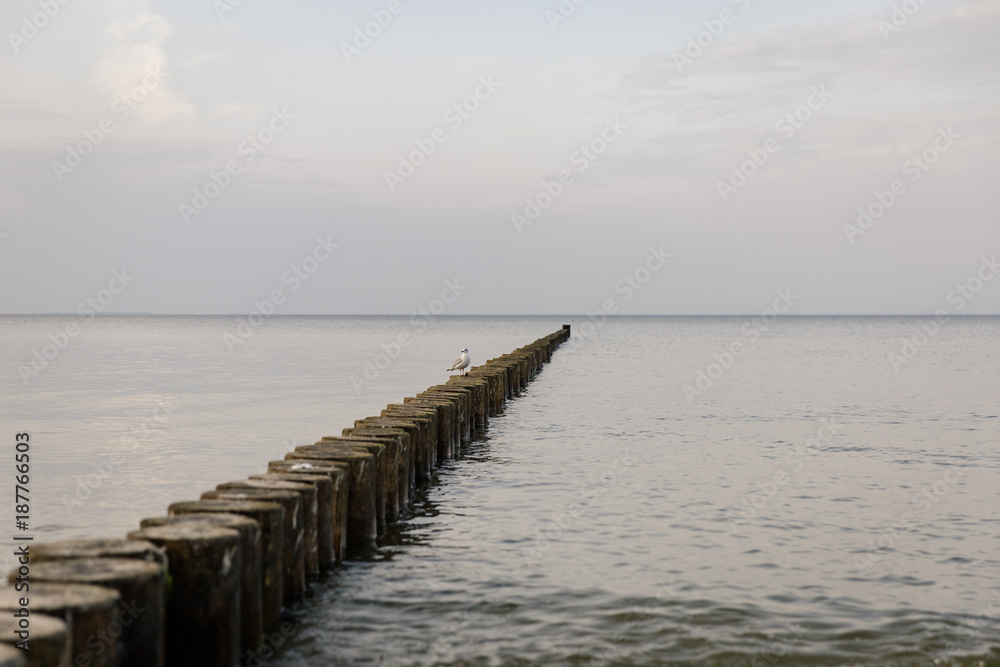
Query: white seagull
<point>462,361</point>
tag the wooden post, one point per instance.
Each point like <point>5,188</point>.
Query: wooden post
<point>479,386</point>
<point>446,447</point>
<point>98,548</point>
<point>338,473</point>
<point>310,509</point>
<point>380,470</point>
<point>464,405</point>
<point>399,441</point>
<point>325,508</point>
<point>139,622</point>
<point>48,639</point>
<point>293,543</point>
<point>250,556</point>
<point>362,519</point>
<point>425,457</point>
<point>12,657</point>
<point>395,449</point>
<point>413,428</point>
<point>364,463</point>
<point>271,519</point>
<point>203,609</point>
<point>88,612</point>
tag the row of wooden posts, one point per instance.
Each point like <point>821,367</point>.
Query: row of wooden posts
<point>207,583</point>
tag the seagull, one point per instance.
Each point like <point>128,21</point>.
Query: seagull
<point>462,361</point>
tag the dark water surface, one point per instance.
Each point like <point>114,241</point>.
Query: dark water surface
<point>812,505</point>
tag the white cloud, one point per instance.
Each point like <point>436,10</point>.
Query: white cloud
<point>136,47</point>
<point>890,95</point>
<point>955,48</point>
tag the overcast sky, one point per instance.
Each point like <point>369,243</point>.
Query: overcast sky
<point>312,118</point>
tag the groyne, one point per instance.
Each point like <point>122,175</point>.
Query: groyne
<point>206,583</point>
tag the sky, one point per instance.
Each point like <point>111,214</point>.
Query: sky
<point>547,157</point>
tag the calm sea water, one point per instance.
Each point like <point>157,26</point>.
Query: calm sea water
<point>802,503</point>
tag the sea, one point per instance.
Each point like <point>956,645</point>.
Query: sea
<point>668,491</point>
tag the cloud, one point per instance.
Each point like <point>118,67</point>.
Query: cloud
<point>136,48</point>
<point>889,94</point>
<point>956,49</point>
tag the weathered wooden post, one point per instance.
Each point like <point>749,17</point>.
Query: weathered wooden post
<point>382,431</point>
<point>380,469</point>
<point>362,518</point>
<point>293,556</point>
<point>370,458</point>
<point>271,519</point>
<point>496,378</point>
<point>394,449</point>
<point>446,424</point>
<point>425,457</point>
<point>98,548</point>
<point>48,640</point>
<point>325,508</point>
<point>251,627</point>
<point>310,509</point>
<point>453,407</point>
<point>414,430</point>
<point>138,624</point>
<point>11,657</point>
<point>479,387</point>
<point>203,609</point>
<point>88,612</point>
<point>338,473</point>
<point>464,406</point>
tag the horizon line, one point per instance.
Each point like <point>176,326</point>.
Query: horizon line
<point>548,315</point>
